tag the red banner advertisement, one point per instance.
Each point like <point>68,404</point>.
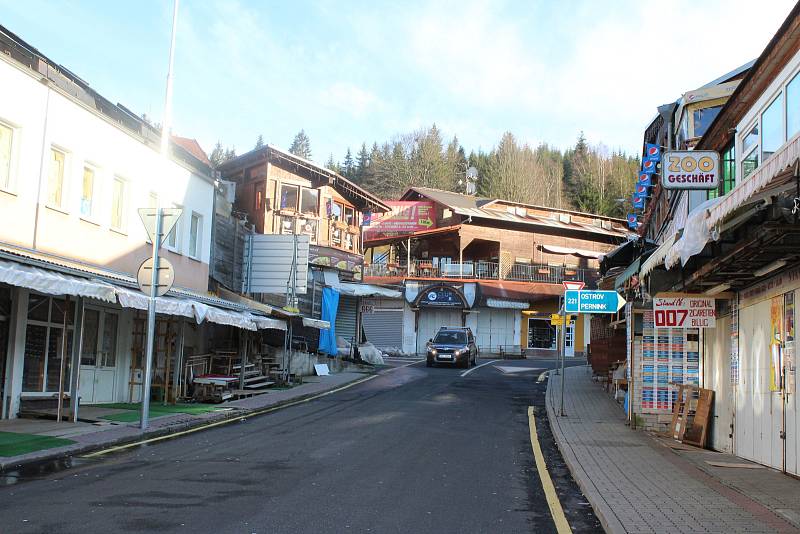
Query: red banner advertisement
<point>405,218</point>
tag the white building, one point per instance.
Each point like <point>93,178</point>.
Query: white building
<point>74,169</point>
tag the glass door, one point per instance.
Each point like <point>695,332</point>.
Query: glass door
<point>569,340</point>
<point>98,356</point>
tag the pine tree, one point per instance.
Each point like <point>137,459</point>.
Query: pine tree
<point>362,164</point>
<point>217,155</point>
<point>301,146</point>
<point>332,165</point>
<point>348,166</point>
<point>259,141</point>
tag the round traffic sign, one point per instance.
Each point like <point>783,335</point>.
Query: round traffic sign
<point>166,276</point>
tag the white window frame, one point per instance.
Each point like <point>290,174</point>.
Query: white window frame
<point>10,185</point>
<point>65,177</point>
<point>123,226</point>
<point>198,245</point>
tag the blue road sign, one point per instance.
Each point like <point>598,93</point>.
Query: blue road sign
<point>592,301</point>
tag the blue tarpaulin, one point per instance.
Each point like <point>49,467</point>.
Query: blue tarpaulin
<point>330,303</point>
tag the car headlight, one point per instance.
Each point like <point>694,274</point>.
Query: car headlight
<point>432,352</point>
<point>457,352</point>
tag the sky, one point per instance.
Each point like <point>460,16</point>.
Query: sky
<point>349,71</point>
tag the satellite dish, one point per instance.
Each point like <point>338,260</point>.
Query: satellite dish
<point>472,172</point>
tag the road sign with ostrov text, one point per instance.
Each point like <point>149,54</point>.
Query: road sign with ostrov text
<point>592,301</point>
<point>166,276</point>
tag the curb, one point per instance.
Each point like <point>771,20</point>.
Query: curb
<point>604,513</point>
<point>224,417</point>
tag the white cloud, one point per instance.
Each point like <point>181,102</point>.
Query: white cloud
<point>350,98</point>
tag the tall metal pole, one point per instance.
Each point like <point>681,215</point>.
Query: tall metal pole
<point>166,122</point>
<point>562,350</point>
<point>151,324</point>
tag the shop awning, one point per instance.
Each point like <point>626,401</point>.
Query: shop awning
<point>316,323</point>
<point>268,323</point>
<point>696,234</point>
<point>129,298</point>
<point>54,283</point>
<point>776,171</point>
<point>211,314</point>
<point>507,304</point>
<point>658,255</point>
<point>368,290</point>
<point>582,253</point>
<point>625,275</point>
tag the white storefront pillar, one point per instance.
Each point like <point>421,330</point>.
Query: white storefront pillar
<point>16,353</point>
<point>409,330</point>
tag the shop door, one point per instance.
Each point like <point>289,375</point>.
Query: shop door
<point>717,376</point>
<point>569,340</point>
<point>5,314</point>
<point>496,330</point>
<point>791,443</point>
<point>98,358</point>
<point>430,320</point>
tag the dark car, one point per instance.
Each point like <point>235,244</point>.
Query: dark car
<point>453,346</point>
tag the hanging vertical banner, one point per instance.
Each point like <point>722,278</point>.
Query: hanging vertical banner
<point>652,152</point>
<point>775,352</point>
<point>789,361</point>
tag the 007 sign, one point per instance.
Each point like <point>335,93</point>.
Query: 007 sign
<point>684,312</point>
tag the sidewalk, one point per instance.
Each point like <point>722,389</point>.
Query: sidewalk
<point>89,437</point>
<point>637,483</point>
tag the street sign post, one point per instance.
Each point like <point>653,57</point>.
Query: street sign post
<point>158,222</point>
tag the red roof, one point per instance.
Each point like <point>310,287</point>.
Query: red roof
<point>192,147</point>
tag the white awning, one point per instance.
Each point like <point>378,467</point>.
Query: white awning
<point>368,290</point>
<point>658,255</point>
<point>54,283</point>
<point>129,298</point>
<point>696,234</point>
<point>203,312</point>
<point>760,179</point>
<point>316,323</point>
<point>268,323</point>
<point>583,253</point>
<point>507,304</point>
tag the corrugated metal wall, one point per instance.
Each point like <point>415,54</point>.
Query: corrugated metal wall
<point>346,317</point>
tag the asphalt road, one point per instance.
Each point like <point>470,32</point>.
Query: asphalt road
<point>414,450</point>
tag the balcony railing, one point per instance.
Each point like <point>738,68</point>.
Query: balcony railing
<point>483,270</point>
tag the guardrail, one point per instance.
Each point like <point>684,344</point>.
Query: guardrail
<point>482,270</point>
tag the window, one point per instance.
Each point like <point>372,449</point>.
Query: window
<point>727,173</point>
<point>99,346</point>
<point>793,107</point>
<point>772,128</point>
<point>703,119</point>
<point>118,204</point>
<point>309,227</point>
<point>6,146</point>
<point>87,191</point>
<point>195,236</point>
<point>289,194</point>
<point>55,182</point>
<point>172,241</point>
<point>309,202</point>
<point>350,216</point>
<point>750,147</point>
<point>337,211</point>
<point>45,345</point>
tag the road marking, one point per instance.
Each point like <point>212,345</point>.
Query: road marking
<point>542,377</point>
<point>408,364</point>
<point>232,419</point>
<point>468,371</point>
<point>556,511</point>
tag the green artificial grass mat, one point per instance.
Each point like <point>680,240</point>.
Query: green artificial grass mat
<point>131,416</point>
<point>14,444</point>
<point>169,408</point>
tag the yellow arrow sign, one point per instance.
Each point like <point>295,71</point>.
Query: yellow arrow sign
<point>558,320</point>
<point>427,223</point>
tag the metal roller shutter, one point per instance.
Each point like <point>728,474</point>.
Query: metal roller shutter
<point>430,320</point>
<point>384,328</point>
<point>346,317</point>
<point>496,329</point>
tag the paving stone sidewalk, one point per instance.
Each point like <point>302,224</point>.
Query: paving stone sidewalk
<point>89,437</point>
<point>637,484</point>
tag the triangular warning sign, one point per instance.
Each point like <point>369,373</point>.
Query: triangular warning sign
<point>169,217</point>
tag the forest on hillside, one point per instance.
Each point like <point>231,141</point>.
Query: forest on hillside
<point>585,177</point>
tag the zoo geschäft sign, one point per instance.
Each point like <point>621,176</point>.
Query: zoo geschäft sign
<point>684,312</point>
<point>690,169</point>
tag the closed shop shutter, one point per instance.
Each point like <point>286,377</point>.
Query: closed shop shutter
<point>496,329</point>
<point>346,317</point>
<point>384,328</point>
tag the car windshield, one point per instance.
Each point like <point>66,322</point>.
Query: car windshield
<point>451,338</point>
